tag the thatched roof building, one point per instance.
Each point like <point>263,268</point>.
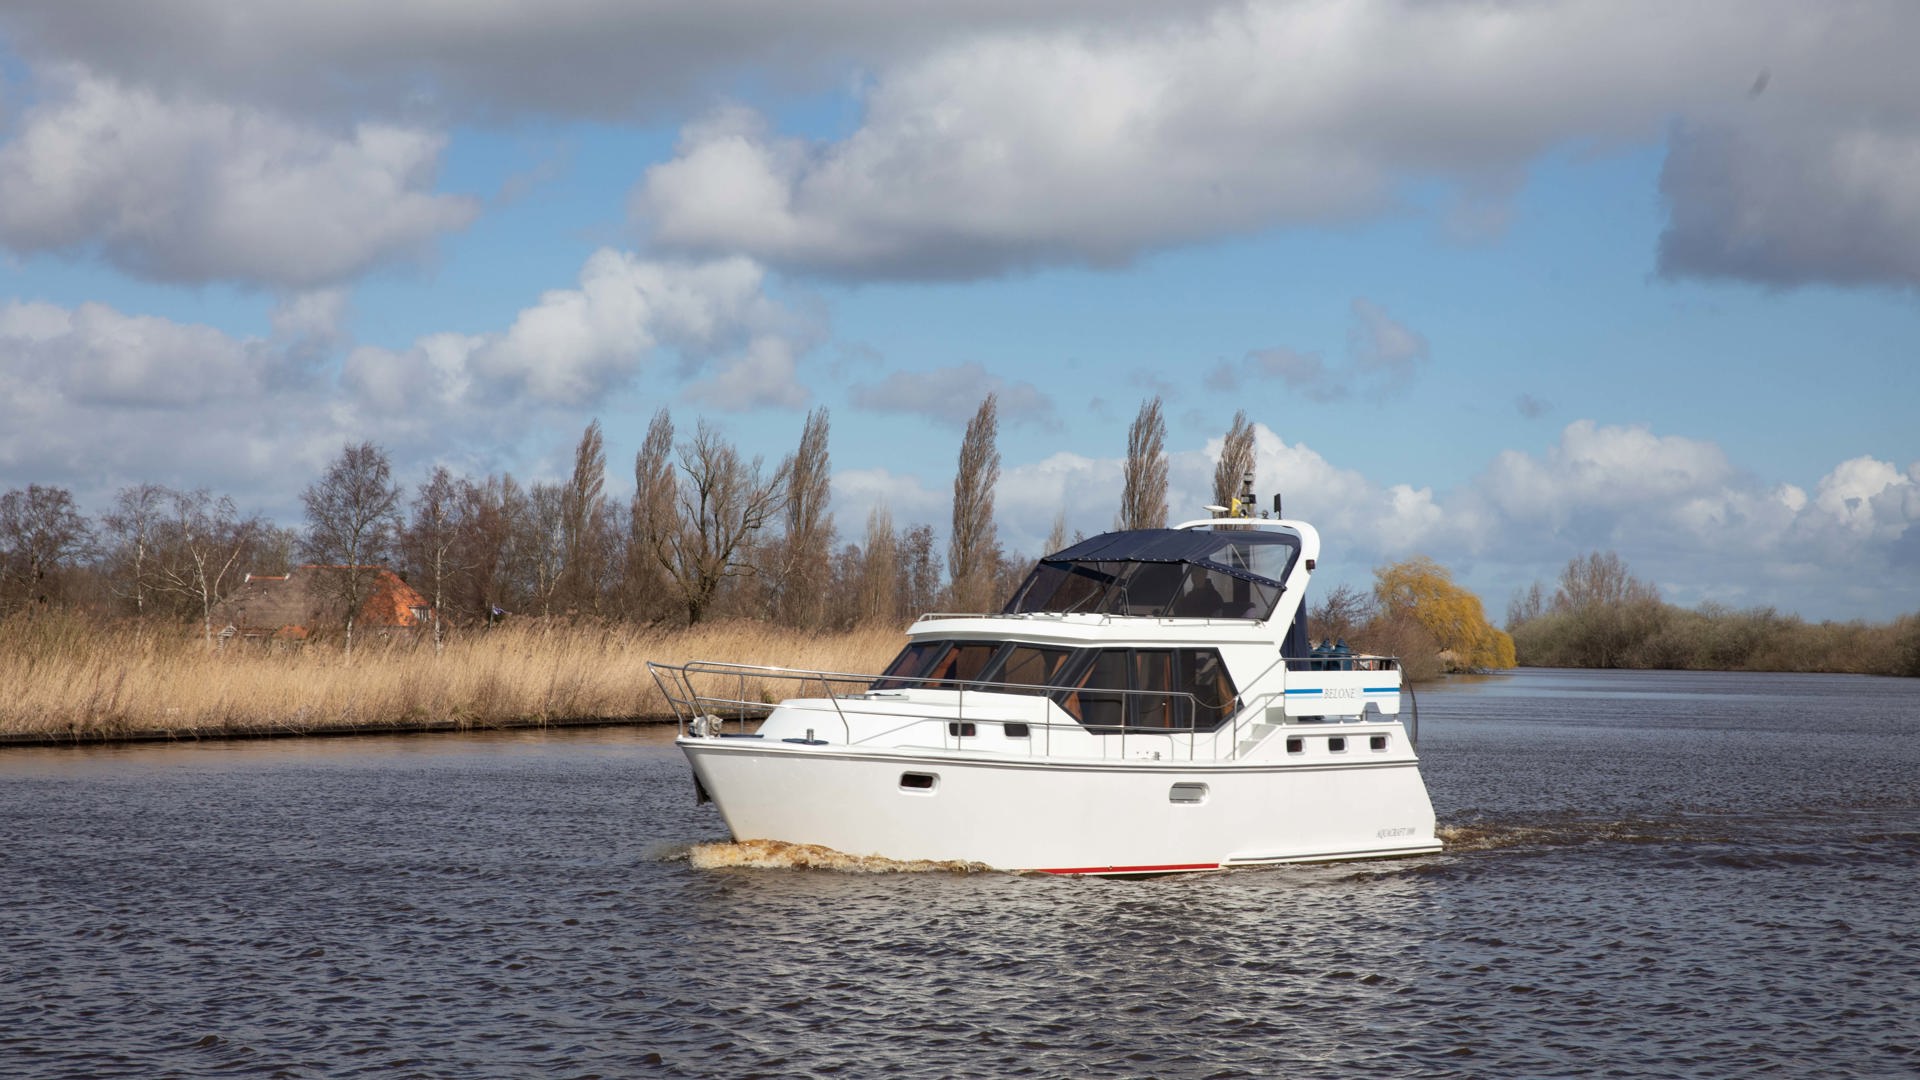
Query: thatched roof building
<point>310,599</point>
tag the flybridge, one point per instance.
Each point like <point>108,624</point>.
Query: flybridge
<point>1235,573</point>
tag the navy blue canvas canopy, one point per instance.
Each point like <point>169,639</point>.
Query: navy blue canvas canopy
<point>1181,573</point>
<point>1195,546</point>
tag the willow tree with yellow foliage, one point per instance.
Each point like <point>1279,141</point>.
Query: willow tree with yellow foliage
<point>1422,590</point>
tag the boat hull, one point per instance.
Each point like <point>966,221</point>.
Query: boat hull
<point>1092,817</point>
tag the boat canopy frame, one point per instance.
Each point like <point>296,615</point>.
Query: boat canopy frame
<point>1182,573</point>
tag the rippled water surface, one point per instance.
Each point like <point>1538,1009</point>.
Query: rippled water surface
<point>1647,875</point>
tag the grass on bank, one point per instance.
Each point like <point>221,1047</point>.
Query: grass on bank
<point>67,677</point>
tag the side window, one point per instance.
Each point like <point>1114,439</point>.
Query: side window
<point>1029,665</point>
<point>909,665</point>
<point>1204,595</point>
<point>1205,677</point>
<point>1148,589</point>
<point>1154,705</point>
<point>964,661</point>
<point>1165,689</point>
<point>1094,697</point>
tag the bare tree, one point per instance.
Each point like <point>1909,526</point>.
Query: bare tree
<point>654,515</point>
<point>484,586</point>
<point>972,547</point>
<point>1341,613</point>
<point>919,571</point>
<point>540,544</point>
<point>719,502</point>
<point>42,538</point>
<point>352,515</point>
<point>1600,578</point>
<point>1236,462</point>
<point>879,569</point>
<point>431,540</point>
<point>803,566</point>
<point>1143,500</point>
<point>1057,539</point>
<point>1525,606</point>
<point>204,540</point>
<point>130,541</point>
<point>583,541</point>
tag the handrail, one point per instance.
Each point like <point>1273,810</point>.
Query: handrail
<point>676,686</point>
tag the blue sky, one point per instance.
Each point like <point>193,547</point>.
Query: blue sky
<point>1502,284</point>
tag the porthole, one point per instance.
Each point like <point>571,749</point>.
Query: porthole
<point>1016,731</point>
<point>1378,742</point>
<point>918,781</point>
<point>1189,794</point>
<point>960,728</point>
<point>1337,744</point>
<point>1294,746</point>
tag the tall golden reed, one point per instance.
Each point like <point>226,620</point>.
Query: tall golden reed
<point>70,678</point>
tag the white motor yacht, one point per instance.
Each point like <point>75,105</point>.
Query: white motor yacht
<point>1147,702</point>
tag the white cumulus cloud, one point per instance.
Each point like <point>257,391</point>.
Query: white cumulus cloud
<point>185,190</point>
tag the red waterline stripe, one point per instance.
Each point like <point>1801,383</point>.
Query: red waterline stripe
<point>1132,869</point>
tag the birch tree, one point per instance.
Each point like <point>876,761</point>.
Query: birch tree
<point>352,516</point>
<point>203,542</point>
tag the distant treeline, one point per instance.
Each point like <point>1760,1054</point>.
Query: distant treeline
<point>1601,616</point>
<point>707,534</point>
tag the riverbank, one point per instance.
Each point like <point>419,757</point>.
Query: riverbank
<point>70,679</point>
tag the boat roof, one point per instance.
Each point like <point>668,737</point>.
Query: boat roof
<point>1224,550</point>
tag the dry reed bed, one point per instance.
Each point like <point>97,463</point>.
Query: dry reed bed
<point>69,679</point>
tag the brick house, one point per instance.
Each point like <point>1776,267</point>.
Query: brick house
<point>306,601</point>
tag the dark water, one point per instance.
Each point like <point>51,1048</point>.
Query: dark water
<point>1649,875</point>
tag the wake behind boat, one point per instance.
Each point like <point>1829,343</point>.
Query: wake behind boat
<point>1146,703</point>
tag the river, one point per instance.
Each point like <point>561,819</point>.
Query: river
<point>1648,874</point>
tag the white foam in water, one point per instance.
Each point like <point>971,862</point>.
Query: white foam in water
<point>775,855</point>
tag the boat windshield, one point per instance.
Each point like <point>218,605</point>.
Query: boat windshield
<point>1181,573</point>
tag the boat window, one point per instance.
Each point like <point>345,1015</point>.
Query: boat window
<point>1146,589</point>
<point>909,665</point>
<point>1204,676</point>
<point>1093,697</point>
<point>963,661</point>
<point>1203,595</point>
<point>1028,665</point>
<point>1155,706</point>
<point>1165,689</point>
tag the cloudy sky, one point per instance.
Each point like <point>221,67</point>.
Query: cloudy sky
<point>1502,283</point>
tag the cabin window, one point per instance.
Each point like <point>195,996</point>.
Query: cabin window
<point>964,661</point>
<point>1202,674</point>
<point>1378,742</point>
<point>909,665</point>
<point>1153,673</point>
<point>1158,689</point>
<point>1095,698</point>
<point>1033,666</point>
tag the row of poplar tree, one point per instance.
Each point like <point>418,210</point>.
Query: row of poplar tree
<point>707,533</point>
